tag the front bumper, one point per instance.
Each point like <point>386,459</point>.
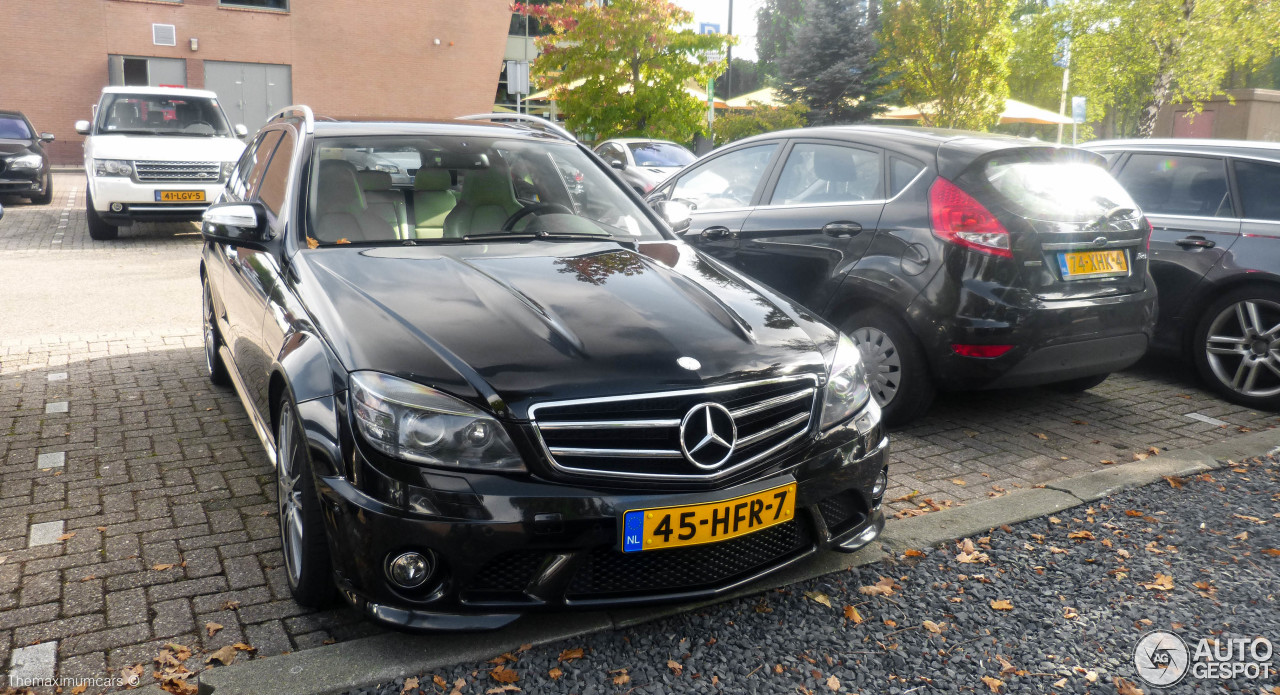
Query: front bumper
<point>23,182</point>
<point>137,201</point>
<point>535,546</point>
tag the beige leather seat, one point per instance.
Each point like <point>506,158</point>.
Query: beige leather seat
<point>341,210</point>
<point>486,202</point>
<point>382,199</point>
<point>432,202</point>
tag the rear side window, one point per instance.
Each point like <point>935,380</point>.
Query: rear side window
<point>817,173</point>
<point>252,164</point>
<point>1259,186</point>
<point>1048,187</point>
<point>901,173</point>
<point>1178,184</point>
<point>276,178</point>
<point>728,181</point>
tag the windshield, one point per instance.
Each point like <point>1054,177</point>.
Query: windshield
<point>157,114</point>
<point>12,128</point>
<point>660,154</point>
<point>463,188</point>
<point>1045,188</point>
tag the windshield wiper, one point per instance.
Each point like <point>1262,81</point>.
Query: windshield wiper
<point>544,235</point>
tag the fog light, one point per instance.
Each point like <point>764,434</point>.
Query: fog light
<point>881,484</point>
<point>116,207</point>
<point>410,570</point>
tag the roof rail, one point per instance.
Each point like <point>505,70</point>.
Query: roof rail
<point>300,111</point>
<point>522,120</point>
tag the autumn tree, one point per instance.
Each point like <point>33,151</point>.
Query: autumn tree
<point>757,119</point>
<point>829,63</point>
<point>949,58</point>
<point>621,68</point>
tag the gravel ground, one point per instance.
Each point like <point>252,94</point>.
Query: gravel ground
<point>1074,584</point>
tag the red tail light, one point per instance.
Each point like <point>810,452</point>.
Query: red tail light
<point>960,219</point>
<point>980,350</point>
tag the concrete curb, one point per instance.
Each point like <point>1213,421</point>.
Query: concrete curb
<point>366,662</point>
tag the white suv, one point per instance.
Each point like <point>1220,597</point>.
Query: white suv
<point>155,154</point>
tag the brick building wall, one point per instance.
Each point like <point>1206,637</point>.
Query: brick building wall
<point>350,58</point>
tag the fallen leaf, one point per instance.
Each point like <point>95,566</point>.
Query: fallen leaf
<point>1140,457</point>
<point>570,654</point>
<point>676,667</point>
<point>100,528</point>
<point>67,536</point>
<point>1005,666</point>
<point>890,622</point>
<point>524,648</point>
<point>993,683</point>
<point>502,674</point>
<point>410,683</point>
<point>212,628</point>
<point>181,651</point>
<point>343,241</point>
<point>230,605</point>
<point>1106,462</point>
<point>1174,481</point>
<point>502,659</point>
<point>932,626</point>
<point>833,683</point>
<point>503,689</point>
<point>177,686</point>
<point>1254,519</point>
<point>241,646</point>
<point>912,552</point>
<point>312,242</point>
<point>1091,676</point>
<point>1124,687</point>
<point>851,613</point>
<point>555,674</point>
<point>622,678</point>
<point>1273,552</point>
<point>818,597</point>
<point>1081,534</point>
<point>79,689</point>
<point>777,668</point>
<point>226,656</point>
<point>1163,582</point>
<point>959,482</point>
<point>883,587</point>
<point>1061,683</point>
<point>162,567</point>
<point>908,497</point>
<point>1040,435</point>
<point>1002,605</point>
<point>1242,536</point>
<point>1069,613</point>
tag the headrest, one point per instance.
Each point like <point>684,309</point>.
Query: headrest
<point>830,165</point>
<point>338,189</point>
<point>432,180</point>
<point>374,180</point>
<point>488,187</point>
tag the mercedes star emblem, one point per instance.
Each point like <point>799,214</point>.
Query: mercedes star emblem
<point>707,435</point>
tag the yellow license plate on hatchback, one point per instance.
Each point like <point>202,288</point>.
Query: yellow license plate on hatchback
<point>1087,264</point>
<point>179,196</point>
<point>710,522</point>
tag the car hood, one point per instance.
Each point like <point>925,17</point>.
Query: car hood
<point>166,148</point>
<point>16,147</point>
<point>516,323</point>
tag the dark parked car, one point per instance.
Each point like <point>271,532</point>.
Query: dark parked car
<point>954,260</point>
<point>24,166</point>
<point>529,408</point>
<point>1215,207</point>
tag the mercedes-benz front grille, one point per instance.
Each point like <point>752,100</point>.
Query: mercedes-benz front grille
<point>640,436</point>
<point>177,172</point>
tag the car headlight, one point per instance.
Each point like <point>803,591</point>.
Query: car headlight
<point>112,167</point>
<point>413,422</point>
<point>389,168</point>
<point>847,389</point>
<point>27,161</point>
<point>227,167</point>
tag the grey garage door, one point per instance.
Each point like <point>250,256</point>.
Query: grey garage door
<point>137,71</point>
<point>249,92</point>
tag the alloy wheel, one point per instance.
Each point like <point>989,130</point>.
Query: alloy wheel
<point>289,493</point>
<point>883,364</point>
<point>210,337</point>
<point>1242,348</point>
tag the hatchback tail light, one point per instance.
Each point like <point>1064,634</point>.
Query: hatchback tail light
<point>960,219</point>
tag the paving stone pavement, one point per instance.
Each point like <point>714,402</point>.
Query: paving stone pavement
<point>166,501</point>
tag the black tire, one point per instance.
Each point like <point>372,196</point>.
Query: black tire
<point>1242,363</point>
<point>302,534</point>
<point>214,366</point>
<point>47,197</point>
<point>1078,384</point>
<point>99,230</point>
<point>896,367</point>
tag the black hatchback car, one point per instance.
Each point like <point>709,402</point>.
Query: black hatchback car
<point>954,260</point>
<point>24,165</point>
<point>1215,255</point>
<point>545,400</point>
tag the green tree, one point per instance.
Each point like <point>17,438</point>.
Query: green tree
<point>633,63</point>
<point>747,76</point>
<point>776,23</point>
<point>739,124</point>
<point>949,58</point>
<point>829,63</point>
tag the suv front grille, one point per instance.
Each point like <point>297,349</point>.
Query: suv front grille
<point>183,172</point>
<point>638,436</point>
<point>610,572</point>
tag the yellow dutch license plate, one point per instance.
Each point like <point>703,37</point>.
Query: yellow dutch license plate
<point>710,522</point>
<point>179,196</point>
<point>1086,264</point>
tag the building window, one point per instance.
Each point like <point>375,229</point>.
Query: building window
<point>264,4</point>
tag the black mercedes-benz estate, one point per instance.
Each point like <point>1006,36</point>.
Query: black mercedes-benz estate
<point>490,392</point>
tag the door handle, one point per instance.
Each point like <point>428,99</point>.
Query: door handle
<point>1197,242</point>
<point>715,233</point>
<point>841,229</point>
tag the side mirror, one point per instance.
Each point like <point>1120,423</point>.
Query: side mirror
<point>46,137</point>
<point>676,213</point>
<point>82,127</point>
<point>237,224</point>
<point>241,131</point>
<point>617,164</point>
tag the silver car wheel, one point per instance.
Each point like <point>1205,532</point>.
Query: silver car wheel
<point>883,364</point>
<point>1243,348</point>
<point>210,336</point>
<point>289,492</point>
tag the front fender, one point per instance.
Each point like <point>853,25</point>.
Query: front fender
<point>312,375</point>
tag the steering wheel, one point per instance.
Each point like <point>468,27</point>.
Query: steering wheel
<point>536,209</point>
